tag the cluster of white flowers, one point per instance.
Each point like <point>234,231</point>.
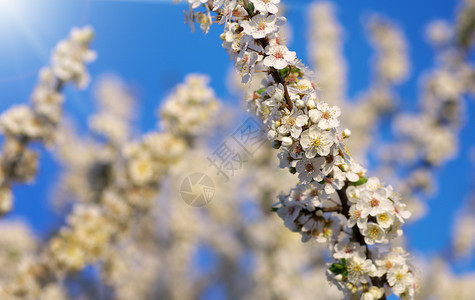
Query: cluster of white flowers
<point>441,116</point>
<point>464,27</point>
<point>235,234</point>
<point>440,282</point>
<point>430,138</point>
<point>17,254</point>
<point>17,245</point>
<point>390,67</point>
<point>142,246</point>
<point>426,140</point>
<point>305,129</point>
<point>168,261</point>
<point>114,184</point>
<point>83,241</point>
<point>325,50</point>
<point>124,176</point>
<point>71,55</point>
<point>147,159</point>
<point>23,124</point>
<point>464,235</point>
<point>391,63</point>
<point>112,120</point>
<point>189,107</point>
<point>463,228</point>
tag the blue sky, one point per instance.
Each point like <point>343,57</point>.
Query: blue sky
<point>150,47</point>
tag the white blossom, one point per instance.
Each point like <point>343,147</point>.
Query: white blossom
<point>279,57</point>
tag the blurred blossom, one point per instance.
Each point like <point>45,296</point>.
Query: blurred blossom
<point>127,234</point>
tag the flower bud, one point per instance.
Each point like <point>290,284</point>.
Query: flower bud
<point>299,103</point>
<point>315,116</point>
<point>344,168</point>
<point>350,286</point>
<point>311,104</point>
<point>271,134</point>
<point>287,141</point>
<point>346,133</point>
<point>375,292</point>
<point>6,202</point>
<point>367,296</point>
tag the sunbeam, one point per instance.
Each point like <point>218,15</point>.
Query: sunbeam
<point>27,31</point>
<point>8,7</point>
<point>15,29</point>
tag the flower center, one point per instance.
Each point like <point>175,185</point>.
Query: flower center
<point>143,167</point>
<point>290,121</point>
<point>374,202</point>
<point>317,142</point>
<point>389,265</point>
<point>262,26</point>
<point>298,149</point>
<point>309,168</point>
<point>279,55</point>
<point>383,218</point>
<point>357,269</point>
<point>373,232</point>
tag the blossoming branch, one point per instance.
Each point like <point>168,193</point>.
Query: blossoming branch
<point>334,203</point>
<point>23,124</point>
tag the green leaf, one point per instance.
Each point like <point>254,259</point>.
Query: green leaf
<point>274,209</point>
<point>362,180</point>
<point>260,91</point>
<point>250,7</point>
<point>284,72</point>
<point>295,70</point>
<point>339,268</point>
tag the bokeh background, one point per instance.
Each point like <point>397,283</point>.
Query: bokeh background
<point>148,45</point>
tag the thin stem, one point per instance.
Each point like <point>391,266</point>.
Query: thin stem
<point>337,208</point>
<point>257,51</point>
